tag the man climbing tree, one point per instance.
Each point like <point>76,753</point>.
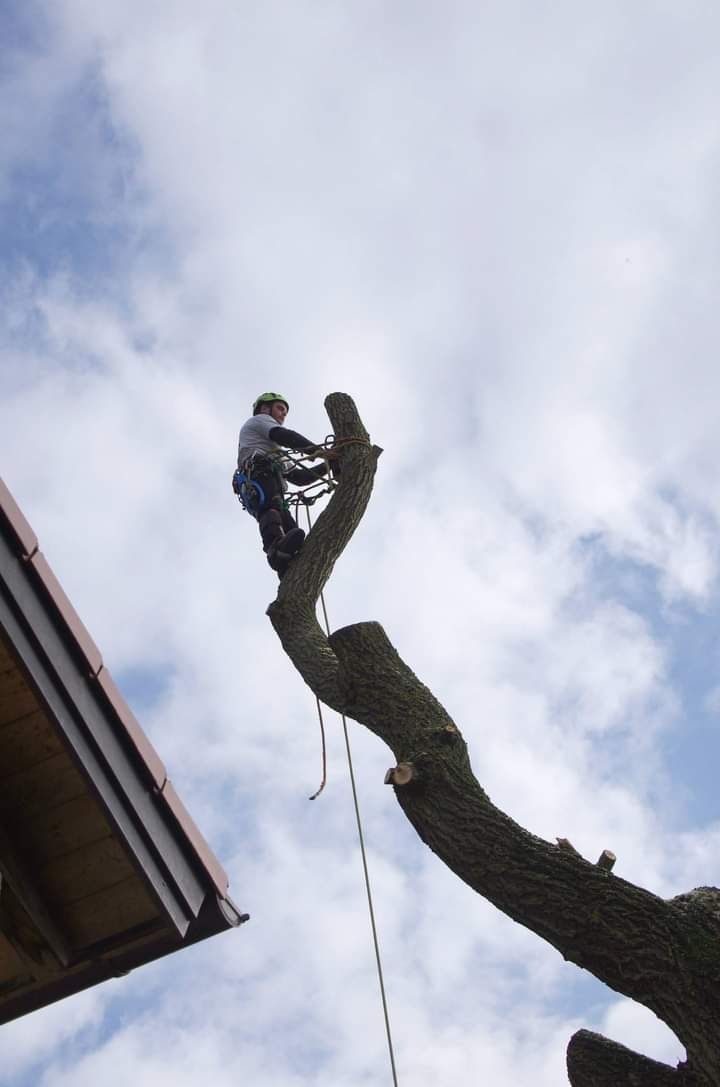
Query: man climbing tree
<point>664,954</point>
<point>260,480</point>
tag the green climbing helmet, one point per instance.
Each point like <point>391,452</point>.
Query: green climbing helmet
<point>269,398</point>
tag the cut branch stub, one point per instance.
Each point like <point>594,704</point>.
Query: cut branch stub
<point>566,845</point>
<point>595,1061</point>
<point>606,860</point>
<point>402,774</point>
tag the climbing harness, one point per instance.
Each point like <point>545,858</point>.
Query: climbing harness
<point>250,493</point>
<point>248,489</point>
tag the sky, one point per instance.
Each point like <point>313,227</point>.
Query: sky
<point>495,226</point>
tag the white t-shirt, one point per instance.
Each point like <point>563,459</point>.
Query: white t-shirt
<point>254,437</point>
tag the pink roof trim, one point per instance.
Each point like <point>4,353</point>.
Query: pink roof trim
<point>203,850</point>
<point>67,613</point>
<point>26,538</point>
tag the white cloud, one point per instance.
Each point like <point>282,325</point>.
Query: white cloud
<point>637,1028</point>
<point>499,240</point>
<point>30,1041</point>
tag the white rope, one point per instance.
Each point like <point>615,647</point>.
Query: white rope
<point>361,839</point>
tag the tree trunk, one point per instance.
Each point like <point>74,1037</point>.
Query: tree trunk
<point>664,954</point>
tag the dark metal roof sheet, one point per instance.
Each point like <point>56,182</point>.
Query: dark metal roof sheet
<point>184,820</point>
<point>66,613</point>
<point>145,750</point>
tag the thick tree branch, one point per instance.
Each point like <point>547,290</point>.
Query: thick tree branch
<point>662,954</point>
<point>594,1061</point>
<point>293,612</point>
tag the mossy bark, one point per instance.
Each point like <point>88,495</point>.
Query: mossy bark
<point>665,955</point>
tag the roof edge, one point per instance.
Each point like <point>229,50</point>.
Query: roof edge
<point>23,542</point>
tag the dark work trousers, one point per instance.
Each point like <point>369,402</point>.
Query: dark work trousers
<point>274,521</point>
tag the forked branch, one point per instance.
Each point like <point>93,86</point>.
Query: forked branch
<point>634,941</point>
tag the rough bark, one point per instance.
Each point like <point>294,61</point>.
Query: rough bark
<point>665,955</point>
<point>594,1061</point>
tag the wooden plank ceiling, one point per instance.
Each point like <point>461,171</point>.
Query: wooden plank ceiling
<point>69,890</point>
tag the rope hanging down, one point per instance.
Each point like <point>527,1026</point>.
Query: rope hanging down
<point>361,838</point>
<point>306,495</point>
